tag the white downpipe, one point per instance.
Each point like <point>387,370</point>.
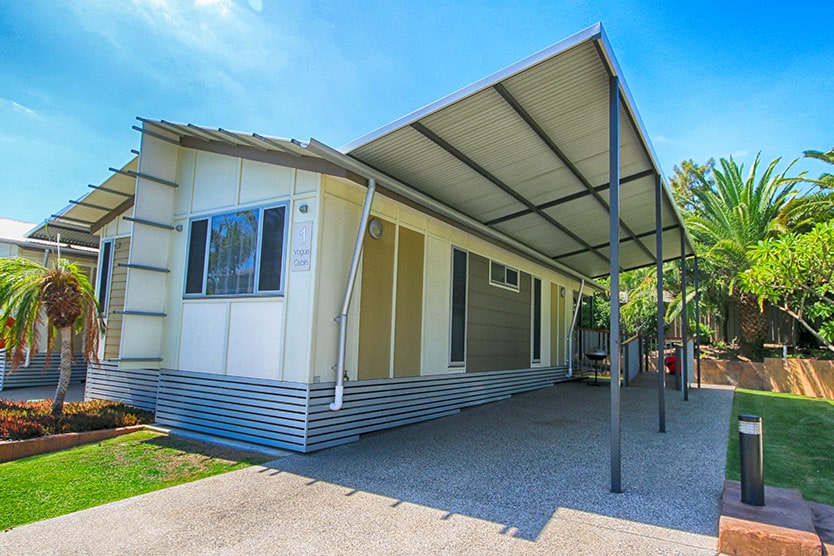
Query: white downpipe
<point>572,326</point>
<point>342,318</point>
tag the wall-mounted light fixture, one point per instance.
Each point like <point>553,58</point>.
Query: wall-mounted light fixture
<point>375,228</point>
<point>562,291</point>
<point>303,208</point>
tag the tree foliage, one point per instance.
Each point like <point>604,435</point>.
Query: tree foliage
<point>734,213</point>
<point>29,292</point>
<point>794,272</point>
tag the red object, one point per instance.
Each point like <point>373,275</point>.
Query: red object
<point>671,363</point>
<point>9,323</point>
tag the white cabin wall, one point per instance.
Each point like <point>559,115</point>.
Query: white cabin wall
<point>245,335</point>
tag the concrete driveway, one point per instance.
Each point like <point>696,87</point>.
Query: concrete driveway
<point>75,393</point>
<point>525,475</point>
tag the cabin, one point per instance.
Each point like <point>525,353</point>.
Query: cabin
<point>290,294</point>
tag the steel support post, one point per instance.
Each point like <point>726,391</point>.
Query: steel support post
<point>697,323</point>
<point>661,321</point>
<point>614,242</point>
<point>684,367</point>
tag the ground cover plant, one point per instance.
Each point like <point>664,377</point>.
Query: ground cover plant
<point>798,439</point>
<point>20,420</point>
<point>49,485</point>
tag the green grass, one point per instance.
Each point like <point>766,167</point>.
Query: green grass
<point>798,437</point>
<point>49,485</point>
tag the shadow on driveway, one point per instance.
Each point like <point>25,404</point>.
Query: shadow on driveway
<point>518,461</point>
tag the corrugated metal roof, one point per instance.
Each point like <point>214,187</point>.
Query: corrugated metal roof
<point>520,150</point>
<point>78,222</point>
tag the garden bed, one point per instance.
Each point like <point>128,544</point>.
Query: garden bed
<point>20,420</point>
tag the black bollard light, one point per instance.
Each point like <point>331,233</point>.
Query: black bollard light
<point>751,455</point>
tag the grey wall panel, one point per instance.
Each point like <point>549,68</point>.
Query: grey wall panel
<point>498,321</point>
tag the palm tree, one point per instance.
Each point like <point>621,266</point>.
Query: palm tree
<point>733,214</point>
<point>28,291</point>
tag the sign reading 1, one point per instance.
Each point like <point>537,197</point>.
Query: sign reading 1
<point>301,246</point>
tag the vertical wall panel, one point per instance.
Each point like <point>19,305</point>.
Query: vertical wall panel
<point>437,311</point>
<point>375,305</point>
<point>498,321</point>
<point>409,317</point>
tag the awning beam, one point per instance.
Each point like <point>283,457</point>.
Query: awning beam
<point>554,148</point>
<point>108,190</point>
<point>89,205</point>
<point>601,245</point>
<point>446,146</point>
<point>569,198</point>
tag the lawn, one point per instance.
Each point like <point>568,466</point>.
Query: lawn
<point>49,485</point>
<point>798,436</point>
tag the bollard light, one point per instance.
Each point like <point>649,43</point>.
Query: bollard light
<point>752,461</point>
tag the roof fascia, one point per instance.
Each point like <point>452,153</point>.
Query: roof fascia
<point>614,67</point>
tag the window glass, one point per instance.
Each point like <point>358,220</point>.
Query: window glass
<point>537,320</point>
<point>196,257</point>
<point>104,278</point>
<point>234,241</point>
<point>458,331</point>
<point>497,272</point>
<point>272,250</point>
<point>503,275</point>
<point>245,253</point>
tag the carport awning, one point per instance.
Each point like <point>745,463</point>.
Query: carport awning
<point>525,152</point>
<point>78,222</point>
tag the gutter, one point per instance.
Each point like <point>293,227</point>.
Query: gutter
<point>365,171</point>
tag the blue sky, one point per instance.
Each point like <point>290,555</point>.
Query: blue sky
<point>710,79</point>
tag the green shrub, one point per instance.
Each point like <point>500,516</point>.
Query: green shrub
<point>20,420</point>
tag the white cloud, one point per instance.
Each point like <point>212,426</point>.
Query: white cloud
<point>17,107</point>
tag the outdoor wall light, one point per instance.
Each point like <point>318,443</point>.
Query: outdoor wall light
<point>562,291</point>
<point>375,228</point>
<point>303,208</point>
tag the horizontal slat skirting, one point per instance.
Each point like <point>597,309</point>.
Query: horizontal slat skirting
<point>225,433</point>
<point>406,382</point>
<point>134,387</point>
<point>227,390</point>
<point>264,406</point>
<point>235,413</point>
<point>319,409</point>
<point>360,389</point>
<point>36,375</point>
<point>252,428</point>
<point>262,411</point>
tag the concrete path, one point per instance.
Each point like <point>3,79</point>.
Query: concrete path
<point>528,475</point>
<point>75,393</point>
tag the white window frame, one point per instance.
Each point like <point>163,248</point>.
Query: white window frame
<point>504,282</point>
<point>256,292</point>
